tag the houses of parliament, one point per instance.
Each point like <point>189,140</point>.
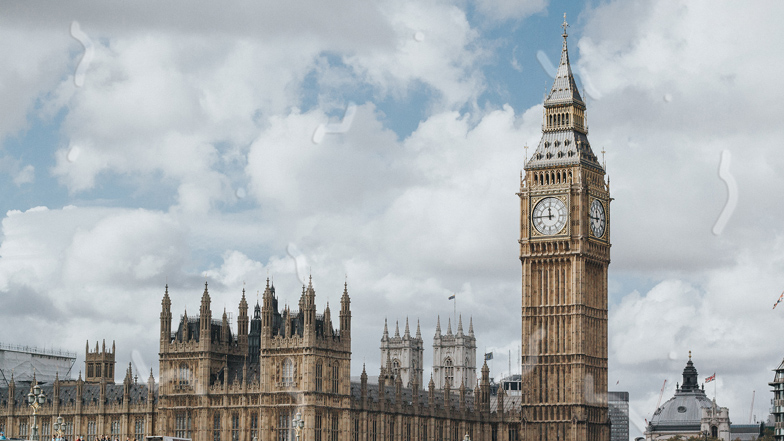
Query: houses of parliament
<point>220,383</point>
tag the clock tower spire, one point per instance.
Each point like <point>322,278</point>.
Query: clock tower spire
<point>565,252</point>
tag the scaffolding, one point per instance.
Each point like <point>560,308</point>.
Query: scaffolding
<point>23,361</point>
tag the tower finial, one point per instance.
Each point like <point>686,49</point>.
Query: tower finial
<point>565,25</point>
<point>689,355</point>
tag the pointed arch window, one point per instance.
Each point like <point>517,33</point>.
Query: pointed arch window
<point>335,377</point>
<point>319,375</point>
<point>184,374</point>
<point>288,372</point>
<point>449,371</point>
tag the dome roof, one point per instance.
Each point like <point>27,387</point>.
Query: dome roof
<point>685,408</point>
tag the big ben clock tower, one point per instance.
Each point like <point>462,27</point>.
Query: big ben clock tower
<point>565,251</point>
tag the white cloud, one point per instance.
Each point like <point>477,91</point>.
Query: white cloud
<point>501,10</point>
<point>25,176</point>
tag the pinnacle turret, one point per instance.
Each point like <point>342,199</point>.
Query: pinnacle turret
<point>407,333</point>
<point>397,329</point>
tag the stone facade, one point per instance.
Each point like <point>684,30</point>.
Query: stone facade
<point>565,252</point>
<point>210,390</point>
<point>454,356</point>
<point>403,356</point>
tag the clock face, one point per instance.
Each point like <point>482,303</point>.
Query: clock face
<point>549,216</point>
<point>598,222</point>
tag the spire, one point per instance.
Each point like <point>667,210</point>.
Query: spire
<point>205,297</point>
<point>564,87</point>
<point>397,329</point>
<point>471,326</point>
<point>460,326</point>
<point>407,333</point>
<point>564,139</point>
<point>419,332</point>
<point>438,327</point>
<point>449,326</point>
<point>386,331</point>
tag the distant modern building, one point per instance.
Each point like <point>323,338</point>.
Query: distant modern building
<point>689,413</point>
<point>512,385</point>
<point>777,410</point>
<point>619,415</point>
<point>22,361</point>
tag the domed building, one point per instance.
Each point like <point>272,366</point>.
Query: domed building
<point>689,413</point>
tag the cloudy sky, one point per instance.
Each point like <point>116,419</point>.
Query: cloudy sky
<point>146,143</point>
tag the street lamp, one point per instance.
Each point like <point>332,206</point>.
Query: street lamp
<point>298,424</point>
<point>35,399</point>
<point>59,428</point>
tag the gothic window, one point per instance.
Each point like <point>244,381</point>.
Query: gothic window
<point>373,428</point>
<point>254,425</point>
<point>182,425</point>
<point>91,429</point>
<point>391,427</point>
<point>284,419</point>
<point>288,372</point>
<point>138,428</point>
<point>714,431</point>
<point>115,428</point>
<point>69,427</point>
<point>335,377</point>
<point>45,426</point>
<point>23,428</point>
<point>216,427</point>
<point>235,427</point>
<point>317,429</point>
<point>465,373</point>
<point>319,369</point>
<point>90,370</point>
<point>513,431</point>
<point>184,374</point>
<point>334,431</point>
<point>396,367</point>
<point>449,371</point>
<point>355,435</point>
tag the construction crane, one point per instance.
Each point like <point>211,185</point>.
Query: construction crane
<point>660,396</point>
<point>751,412</point>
